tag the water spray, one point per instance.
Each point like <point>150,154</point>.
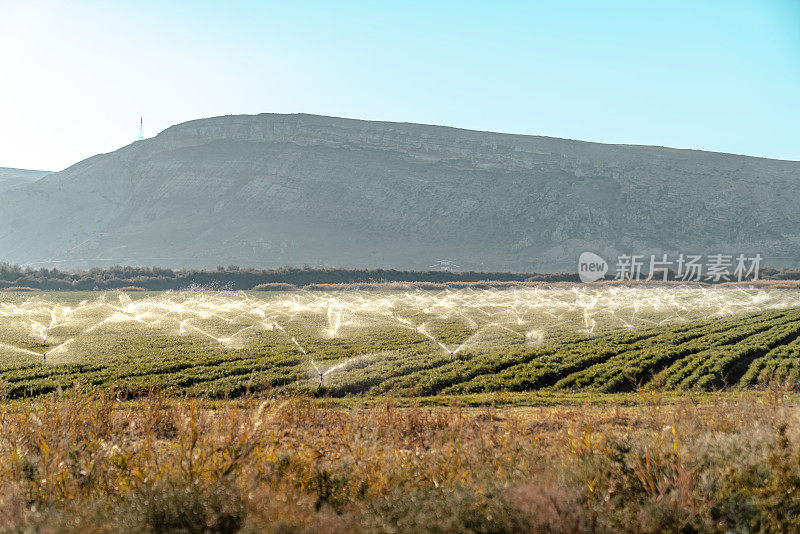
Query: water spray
<point>225,318</point>
<point>320,373</point>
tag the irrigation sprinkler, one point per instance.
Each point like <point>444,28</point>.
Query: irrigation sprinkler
<point>531,315</point>
<point>319,372</point>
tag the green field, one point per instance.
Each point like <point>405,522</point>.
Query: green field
<point>412,344</point>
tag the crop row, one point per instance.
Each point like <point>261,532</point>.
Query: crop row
<point>632,367</point>
<point>748,350</point>
<point>548,370</point>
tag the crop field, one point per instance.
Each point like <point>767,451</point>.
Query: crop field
<point>414,344</point>
<point>568,409</point>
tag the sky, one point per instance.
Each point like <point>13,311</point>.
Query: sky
<point>76,75</point>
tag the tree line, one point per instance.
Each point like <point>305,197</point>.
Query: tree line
<point>236,278</point>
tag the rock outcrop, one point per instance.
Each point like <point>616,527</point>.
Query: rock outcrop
<point>272,190</point>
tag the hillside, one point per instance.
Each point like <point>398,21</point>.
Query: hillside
<point>272,190</point>
<point>11,178</point>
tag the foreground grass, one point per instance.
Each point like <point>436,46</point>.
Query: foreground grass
<point>88,462</point>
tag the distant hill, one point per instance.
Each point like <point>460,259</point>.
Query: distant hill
<point>272,190</point>
<point>11,178</point>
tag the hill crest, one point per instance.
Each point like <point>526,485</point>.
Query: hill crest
<point>271,190</point>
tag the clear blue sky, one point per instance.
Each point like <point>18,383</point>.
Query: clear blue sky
<point>75,75</point>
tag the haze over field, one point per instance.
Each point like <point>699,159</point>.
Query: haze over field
<point>271,190</point>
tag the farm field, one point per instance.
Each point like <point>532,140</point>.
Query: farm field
<point>595,409</point>
<point>441,344</point>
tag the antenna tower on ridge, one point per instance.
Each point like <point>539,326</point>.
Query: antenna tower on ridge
<point>141,128</point>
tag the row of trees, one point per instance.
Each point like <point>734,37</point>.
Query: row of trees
<point>235,278</point>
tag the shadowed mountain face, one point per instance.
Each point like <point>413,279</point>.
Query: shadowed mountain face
<point>13,178</point>
<point>271,190</point>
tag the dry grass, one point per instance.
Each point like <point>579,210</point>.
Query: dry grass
<point>87,462</point>
<point>19,289</point>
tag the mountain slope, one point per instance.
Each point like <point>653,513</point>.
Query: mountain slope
<point>11,178</point>
<point>270,190</point>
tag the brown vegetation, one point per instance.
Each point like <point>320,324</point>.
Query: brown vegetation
<point>275,286</point>
<point>20,289</point>
<point>87,462</point>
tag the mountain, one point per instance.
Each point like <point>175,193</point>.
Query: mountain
<point>11,178</point>
<point>272,190</point>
